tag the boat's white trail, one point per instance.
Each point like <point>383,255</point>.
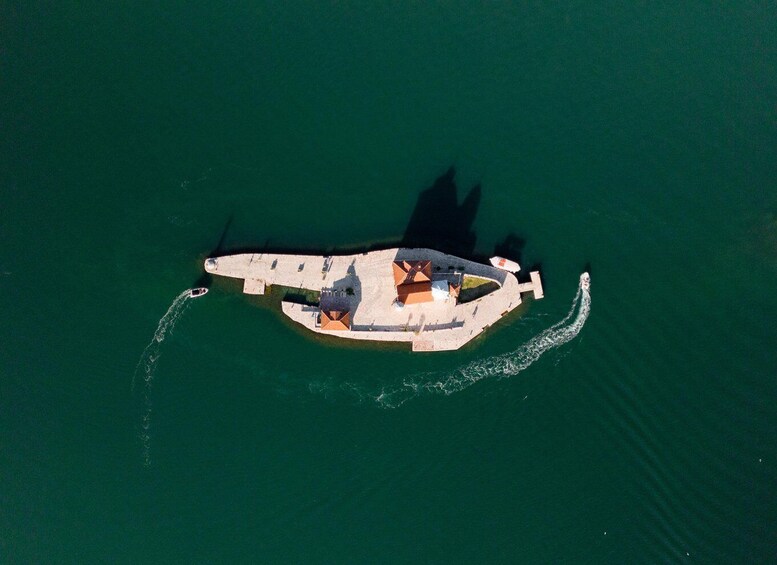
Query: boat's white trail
<point>504,365</point>
<point>147,366</point>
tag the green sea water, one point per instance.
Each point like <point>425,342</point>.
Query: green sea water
<point>636,140</point>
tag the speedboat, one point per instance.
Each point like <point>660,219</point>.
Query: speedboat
<point>505,264</point>
<point>197,292</point>
<point>585,281</point>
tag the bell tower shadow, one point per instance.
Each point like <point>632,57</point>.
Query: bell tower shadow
<point>439,222</point>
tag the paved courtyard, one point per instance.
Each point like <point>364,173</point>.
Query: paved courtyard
<point>364,285</point>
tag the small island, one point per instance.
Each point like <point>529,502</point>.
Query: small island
<point>434,301</point>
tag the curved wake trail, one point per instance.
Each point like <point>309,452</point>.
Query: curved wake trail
<point>504,365</point>
<point>147,366</point>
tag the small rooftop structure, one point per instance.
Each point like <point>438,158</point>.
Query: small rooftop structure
<point>408,272</point>
<point>336,320</point>
<point>441,290</point>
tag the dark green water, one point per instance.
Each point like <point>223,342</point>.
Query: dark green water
<point>638,139</point>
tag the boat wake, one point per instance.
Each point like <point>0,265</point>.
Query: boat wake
<point>147,366</point>
<point>505,365</point>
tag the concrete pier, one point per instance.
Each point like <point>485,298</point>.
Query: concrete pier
<point>364,285</point>
<point>535,286</point>
<point>253,286</point>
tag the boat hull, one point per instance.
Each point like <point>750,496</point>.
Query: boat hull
<point>505,264</point>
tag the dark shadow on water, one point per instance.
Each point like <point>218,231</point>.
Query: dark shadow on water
<point>438,221</point>
<point>206,278</point>
<point>297,295</point>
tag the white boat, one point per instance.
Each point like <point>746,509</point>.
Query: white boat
<point>585,281</point>
<point>505,264</point>
<point>197,292</point>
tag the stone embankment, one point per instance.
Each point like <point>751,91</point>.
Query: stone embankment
<point>364,285</point>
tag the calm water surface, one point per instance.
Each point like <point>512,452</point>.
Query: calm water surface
<point>638,142</point>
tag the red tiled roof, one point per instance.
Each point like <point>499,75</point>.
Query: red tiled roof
<point>335,320</point>
<point>406,272</point>
<point>415,293</point>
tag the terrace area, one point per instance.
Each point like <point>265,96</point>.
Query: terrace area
<point>366,286</point>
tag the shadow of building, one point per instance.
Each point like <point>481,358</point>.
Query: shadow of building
<point>439,222</point>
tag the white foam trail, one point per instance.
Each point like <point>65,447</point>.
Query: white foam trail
<point>147,366</point>
<point>504,365</point>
